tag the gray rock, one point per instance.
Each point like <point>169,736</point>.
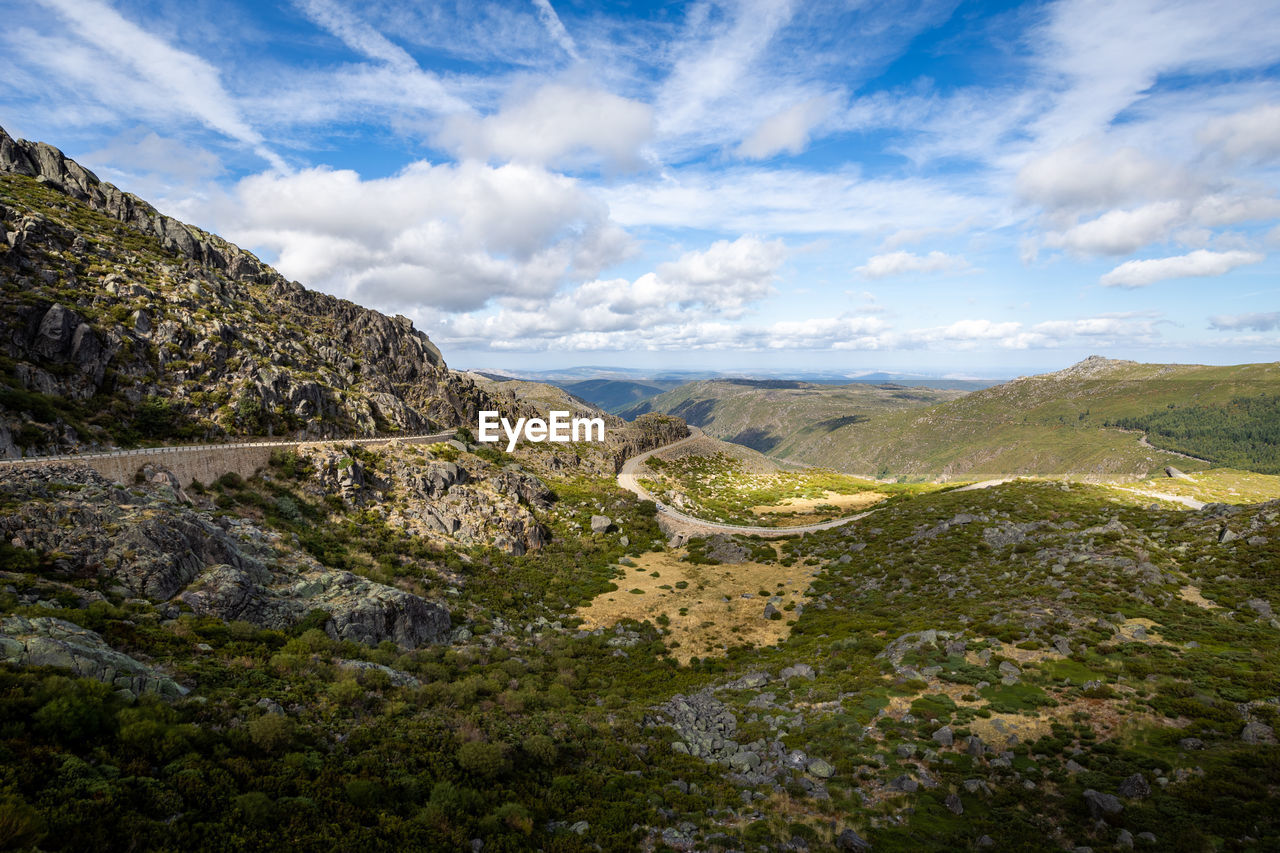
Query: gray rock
<point>820,768</point>
<point>974,746</point>
<point>953,804</point>
<point>1073,767</point>
<point>986,841</point>
<point>1190,743</point>
<point>1102,805</point>
<point>944,736</point>
<point>600,523</point>
<point>771,612</point>
<point>1226,535</point>
<point>1148,837</point>
<point>1257,733</point>
<point>851,842</point>
<point>744,761</point>
<point>800,670</point>
<point>1124,839</point>
<point>1260,606</point>
<point>1007,669</point>
<point>1135,787</point>
<point>579,827</point>
<point>47,641</point>
<point>905,784</point>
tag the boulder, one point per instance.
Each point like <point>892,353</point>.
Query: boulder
<point>47,641</point>
<point>820,768</point>
<point>1257,733</point>
<point>943,736</point>
<point>1102,805</point>
<point>1135,787</point>
<point>800,670</point>
<point>850,842</point>
<point>600,523</point>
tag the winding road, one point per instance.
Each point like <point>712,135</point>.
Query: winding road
<point>689,525</point>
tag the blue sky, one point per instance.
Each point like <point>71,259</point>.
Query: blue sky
<point>960,188</point>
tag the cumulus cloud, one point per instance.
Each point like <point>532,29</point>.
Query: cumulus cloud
<point>555,123</point>
<point>1264,322</point>
<point>452,237</point>
<point>1119,232</point>
<point>717,284</point>
<point>1085,175</point>
<point>901,263</point>
<point>788,130</point>
<point>1198,263</point>
<point>1250,135</point>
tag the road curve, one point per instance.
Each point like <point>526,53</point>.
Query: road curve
<point>627,479</point>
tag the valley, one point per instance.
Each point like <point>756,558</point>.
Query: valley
<point>886,618</point>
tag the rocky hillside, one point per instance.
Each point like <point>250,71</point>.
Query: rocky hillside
<point>123,325</point>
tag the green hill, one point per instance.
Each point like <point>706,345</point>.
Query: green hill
<point>765,414</point>
<point>1056,423</point>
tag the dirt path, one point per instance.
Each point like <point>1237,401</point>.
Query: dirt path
<point>1190,503</point>
<point>691,526</point>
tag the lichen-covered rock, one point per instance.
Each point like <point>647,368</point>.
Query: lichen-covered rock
<point>150,545</point>
<point>47,641</point>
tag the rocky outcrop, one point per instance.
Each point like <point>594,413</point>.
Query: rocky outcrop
<point>449,498</point>
<point>46,641</point>
<point>183,334</point>
<point>145,543</point>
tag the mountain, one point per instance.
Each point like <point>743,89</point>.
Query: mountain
<point>124,325</point>
<point>615,395</point>
<point>1053,424</point>
<point>765,414</point>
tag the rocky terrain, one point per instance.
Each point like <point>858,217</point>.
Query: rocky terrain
<point>449,647</point>
<point>124,325</point>
<point>144,542</point>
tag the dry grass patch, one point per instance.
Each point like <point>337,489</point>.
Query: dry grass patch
<point>1192,595</point>
<point>806,509</point>
<point>709,614</point>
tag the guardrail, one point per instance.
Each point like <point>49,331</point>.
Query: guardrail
<point>236,445</point>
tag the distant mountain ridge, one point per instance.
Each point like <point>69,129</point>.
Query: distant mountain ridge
<point>1051,424</point>
<point>123,324</point>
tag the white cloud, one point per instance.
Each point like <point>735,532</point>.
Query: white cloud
<point>555,27</point>
<point>1198,263</point>
<point>718,283</point>
<point>715,58</point>
<point>1119,232</point>
<point>1253,134</point>
<point>168,157</point>
<point>449,236</point>
<point>1085,175</point>
<point>1264,322</point>
<point>788,130</point>
<point>784,201</point>
<point>901,263</point>
<point>126,65</point>
<point>555,123</point>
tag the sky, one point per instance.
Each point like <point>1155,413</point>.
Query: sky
<point>959,189</point>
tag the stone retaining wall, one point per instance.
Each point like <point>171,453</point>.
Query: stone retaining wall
<point>205,463</point>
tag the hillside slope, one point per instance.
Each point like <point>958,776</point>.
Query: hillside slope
<point>763,414</point>
<point>1050,424</point>
<point>124,325</point>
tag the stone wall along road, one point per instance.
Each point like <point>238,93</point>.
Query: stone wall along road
<point>203,462</point>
